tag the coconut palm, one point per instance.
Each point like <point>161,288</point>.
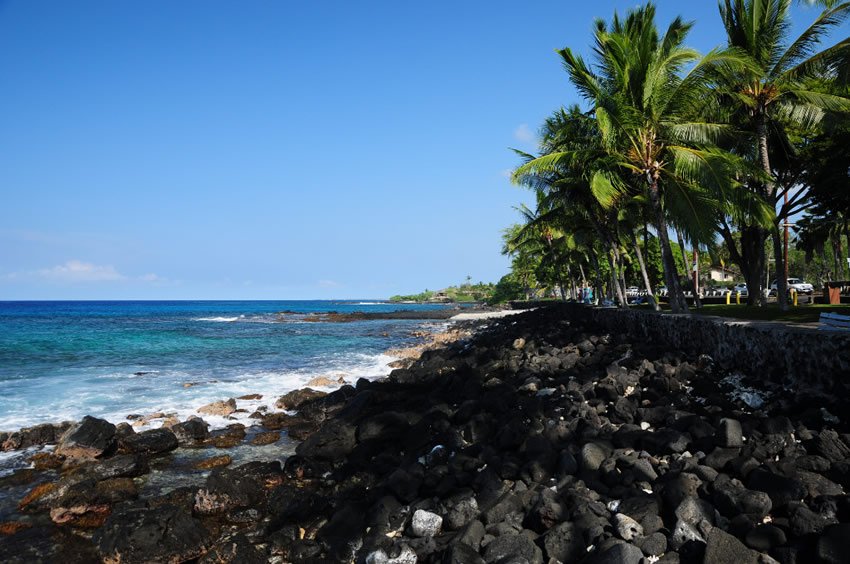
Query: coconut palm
<point>646,105</point>
<point>568,173</point>
<point>773,92</point>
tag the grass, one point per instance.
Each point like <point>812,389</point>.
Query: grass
<point>801,314</point>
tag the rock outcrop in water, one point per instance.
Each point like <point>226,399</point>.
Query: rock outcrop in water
<point>538,440</point>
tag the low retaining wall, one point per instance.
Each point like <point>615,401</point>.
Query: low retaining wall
<point>811,361</point>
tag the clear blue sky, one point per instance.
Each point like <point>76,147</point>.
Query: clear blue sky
<point>202,149</point>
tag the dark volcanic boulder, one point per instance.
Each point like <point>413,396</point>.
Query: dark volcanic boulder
<point>155,441</point>
<point>141,535</point>
<point>90,438</point>
<point>296,398</point>
<point>233,488</point>
<point>514,548</point>
<point>723,547</point>
<point>235,550</point>
<point>192,431</point>
<point>331,442</point>
<point>45,544</point>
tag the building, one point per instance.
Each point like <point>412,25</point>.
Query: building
<point>721,274</point>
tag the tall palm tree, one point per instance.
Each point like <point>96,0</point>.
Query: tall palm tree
<point>571,174</point>
<point>773,92</point>
<point>646,105</point>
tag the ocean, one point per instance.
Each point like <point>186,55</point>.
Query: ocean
<point>62,360</point>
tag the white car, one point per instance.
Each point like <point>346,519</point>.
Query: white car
<point>801,286</point>
<point>742,288</point>
<point>632,290</point>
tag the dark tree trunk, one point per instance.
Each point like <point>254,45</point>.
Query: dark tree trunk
<point>674,289</point>
<point>650,296</point>
<point>779,258</point>
<point>752,263</point>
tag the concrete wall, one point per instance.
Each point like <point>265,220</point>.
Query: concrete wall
<point>806,359</point>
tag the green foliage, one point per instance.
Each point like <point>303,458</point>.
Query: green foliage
<point>507,289</point>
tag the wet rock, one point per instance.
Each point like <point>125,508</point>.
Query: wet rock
<point>267,438</point>
<point>45,544</point>
<point>296,398</point>
<point>236,550</point>
<point>141,535</point>
<point>234,488</point>
<point>46,461</point>
<point>150,443</point>
<point>425,523</point>
<point>251,397</point>
<point>43,434</point>
<point>122,466</point>
<point>213,462</point>
<point>90,438</point>
<point>191,432</point>
<point>723,547</point>
<point>221,408</point>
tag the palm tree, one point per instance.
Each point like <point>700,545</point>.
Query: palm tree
<point>569,175</point>
<point>646,106</point>
<point>773,92</point>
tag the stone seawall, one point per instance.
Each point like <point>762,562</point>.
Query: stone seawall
<point>812,361</point>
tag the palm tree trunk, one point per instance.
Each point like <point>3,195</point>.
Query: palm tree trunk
<point>764,156</point>
<point>619,279</point>
<point>674,289</point>
<point>779,258</point>
<point>616,288</point>
<point>644,274</point>
<point>681,241</point>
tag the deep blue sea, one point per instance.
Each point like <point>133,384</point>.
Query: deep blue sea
<point>63,360</point>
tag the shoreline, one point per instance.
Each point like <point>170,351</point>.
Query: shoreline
<point>539,437</point>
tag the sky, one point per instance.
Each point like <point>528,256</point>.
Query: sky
<point>207,149</point>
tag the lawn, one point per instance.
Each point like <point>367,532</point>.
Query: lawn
<point>800,314</point>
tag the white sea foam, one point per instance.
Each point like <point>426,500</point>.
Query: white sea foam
<point>220,319</point>
<point>371,303</point>
<point>167,392</point>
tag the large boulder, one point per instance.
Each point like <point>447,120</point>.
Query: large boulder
<point>221,408</point>
<point>142,535</point>
<point>155,441</point>
<point>90,438</point>
<point>192,431</point>
<point>296,398</point>
<point>234,488</point>
<point>331,442</point>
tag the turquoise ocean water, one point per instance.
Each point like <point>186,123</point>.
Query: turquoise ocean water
<point>63,360</point>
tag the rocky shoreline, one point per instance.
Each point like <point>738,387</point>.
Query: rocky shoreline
<point>537,439</point>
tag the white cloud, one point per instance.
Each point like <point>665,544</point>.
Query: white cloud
<point>74,271</point>
<point>506,173</point>
<point>523,133</point>
<point>79,271</point>
<point>329,284</point>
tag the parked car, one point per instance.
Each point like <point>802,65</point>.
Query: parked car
<point>801,286</point>
<point>632,290</point>
<point>742,288</point>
